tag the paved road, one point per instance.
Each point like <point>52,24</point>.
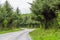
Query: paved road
<point>20,35</point>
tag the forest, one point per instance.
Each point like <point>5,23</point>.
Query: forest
<point>44,17</point>
<point>44,14</point>
<point>10,19</point>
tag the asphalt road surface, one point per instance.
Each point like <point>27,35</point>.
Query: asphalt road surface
<point>20,35</point>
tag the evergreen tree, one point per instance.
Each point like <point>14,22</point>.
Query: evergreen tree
<point>18,16</point>
<point>9,12</point>
<point>17,11</point>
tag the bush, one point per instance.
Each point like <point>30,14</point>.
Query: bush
<point>5,23</point>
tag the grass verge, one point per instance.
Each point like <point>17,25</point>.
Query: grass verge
<point>12,30</point>
<point>49,34</point>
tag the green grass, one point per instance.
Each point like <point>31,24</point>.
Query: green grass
<point>49,34</point>
<point>12,30</point>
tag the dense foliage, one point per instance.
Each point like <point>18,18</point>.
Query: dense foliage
<point>8,17</point>
<point>45,11</point>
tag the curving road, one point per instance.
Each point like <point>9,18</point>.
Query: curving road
<point>20,35</point>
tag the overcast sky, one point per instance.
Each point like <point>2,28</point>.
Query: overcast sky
<point>22,4</point>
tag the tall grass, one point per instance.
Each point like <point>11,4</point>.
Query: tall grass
<point>49,34</point>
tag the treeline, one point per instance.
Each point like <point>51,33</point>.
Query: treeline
<point>45,13</point>
<point>10,19</point>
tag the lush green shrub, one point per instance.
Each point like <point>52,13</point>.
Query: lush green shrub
<point>5,23</point>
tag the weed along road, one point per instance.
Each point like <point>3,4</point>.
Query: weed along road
<point>20,35</point>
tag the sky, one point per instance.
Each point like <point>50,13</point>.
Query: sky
<point>21,4</point>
